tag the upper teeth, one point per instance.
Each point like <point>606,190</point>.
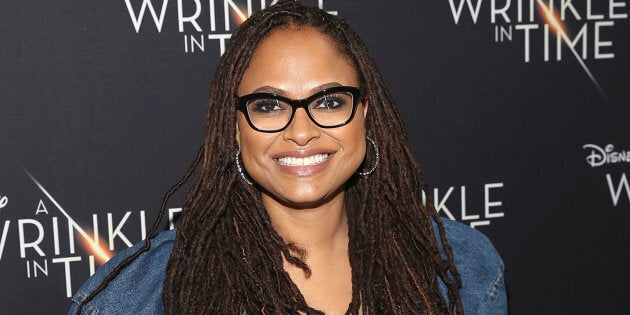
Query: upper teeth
<point>295,161</point>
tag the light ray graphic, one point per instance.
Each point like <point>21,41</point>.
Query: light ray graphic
<point>103,255</point>
<point>558,27</point>
<point>238,14</point>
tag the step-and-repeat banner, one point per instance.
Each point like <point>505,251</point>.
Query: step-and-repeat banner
<point>518,110</point>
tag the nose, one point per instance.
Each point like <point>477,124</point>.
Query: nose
<point>301,129</point>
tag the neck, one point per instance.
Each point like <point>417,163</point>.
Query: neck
<point>321,229</point>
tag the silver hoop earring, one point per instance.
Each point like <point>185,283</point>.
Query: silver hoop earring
<point>376,159</point>
<point>240,169</point>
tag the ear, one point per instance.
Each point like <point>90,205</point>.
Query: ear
<point>238,136</point>
<point>365,108</point>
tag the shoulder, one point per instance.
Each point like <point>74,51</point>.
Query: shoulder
<point>480,267</point>
<point>142,280</point>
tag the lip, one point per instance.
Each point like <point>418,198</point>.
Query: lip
<point>303,170</point>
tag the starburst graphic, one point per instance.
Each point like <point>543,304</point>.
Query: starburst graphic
<point>561,32</point>
<point>93,246</point>
<point>238,13</point>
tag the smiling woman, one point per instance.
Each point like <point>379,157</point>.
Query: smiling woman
<point>296,62</point>
<point>308,199</point>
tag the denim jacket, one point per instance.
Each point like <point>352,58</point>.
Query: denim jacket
<point>138,287</point>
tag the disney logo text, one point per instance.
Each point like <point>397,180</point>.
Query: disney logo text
<point>600,156</point>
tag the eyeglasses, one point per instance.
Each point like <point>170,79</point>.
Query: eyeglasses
<point>329,108</point>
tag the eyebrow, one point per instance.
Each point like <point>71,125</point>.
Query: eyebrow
<point>270,89</point>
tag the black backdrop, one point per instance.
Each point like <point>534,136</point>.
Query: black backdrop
<point>101,112</point>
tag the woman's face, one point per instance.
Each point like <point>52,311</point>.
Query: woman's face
<point>296,64</point>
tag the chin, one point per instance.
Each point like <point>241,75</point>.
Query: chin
<point>305,198</point>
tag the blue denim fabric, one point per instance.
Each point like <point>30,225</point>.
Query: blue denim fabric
<point>138,288</point>
<point>481,270</point>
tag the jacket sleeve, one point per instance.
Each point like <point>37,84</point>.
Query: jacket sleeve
<point>481,270</point>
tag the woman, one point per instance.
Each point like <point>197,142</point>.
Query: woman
<point>307,199</point>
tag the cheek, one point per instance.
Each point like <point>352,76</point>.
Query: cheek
<point>358,135</point>
<point>253,145</point>
<point>249,141</point>
<point>352,137</point>
<point>356,128</point>
<point>249,144</point>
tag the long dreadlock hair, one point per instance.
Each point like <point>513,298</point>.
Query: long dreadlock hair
<point>228,259</point>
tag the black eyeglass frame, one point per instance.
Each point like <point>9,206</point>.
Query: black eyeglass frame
<point>303,103</point>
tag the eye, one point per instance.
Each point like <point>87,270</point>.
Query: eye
<point>265,106</point>
<point>331,102</point>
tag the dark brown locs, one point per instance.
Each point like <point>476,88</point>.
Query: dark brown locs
<point>228,259</point>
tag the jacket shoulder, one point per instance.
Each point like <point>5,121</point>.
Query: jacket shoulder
<point>137,289</point>
<point>480,267</point>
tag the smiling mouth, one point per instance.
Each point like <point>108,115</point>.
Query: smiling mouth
<point>307,161</point>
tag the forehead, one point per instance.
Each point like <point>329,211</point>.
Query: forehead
<point>297,60</point>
